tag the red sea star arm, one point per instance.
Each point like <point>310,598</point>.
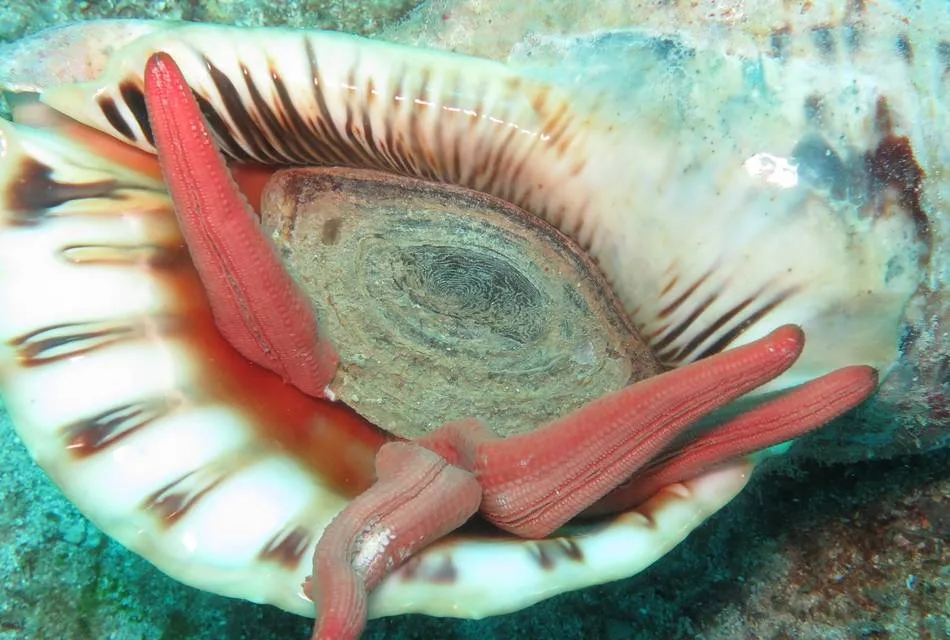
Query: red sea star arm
<point>417,499</point>
<point>536,482</point>
<point>792,415</point>
<point>257,306</point>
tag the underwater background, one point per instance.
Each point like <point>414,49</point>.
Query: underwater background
<point>808,551</point>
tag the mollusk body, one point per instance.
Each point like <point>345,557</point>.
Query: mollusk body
<point>719,206</point>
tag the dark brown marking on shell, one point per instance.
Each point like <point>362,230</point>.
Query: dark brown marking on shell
<point>293,120</point>
<point>673,306</point>
<point>420,569</point>
<point>699,309</point>
<point>547,553</point>
<point>669,285</point>
<point>222,132</point>
<point>779,42</point>
<point>904,48</point>
<point>893,165</point>
<point>442,152</point>
<point>711,328</point>
<point>354,137</point>
<point>155,257</point>
<point>444,573</point>
<point>500,172</point>
<point>824,39</point>
<point>134,98</point>
<point>36,192</point>
<point>270,125</point>
<point>173,501</point>
<point>58,342</point>
<point>328,131</point>
<point>555,125</point>
<point>730,336</point>
<point>235,110</point>
<point>91,436</point>
<point>368,133</point>
<point>429,165</point>
<point>111,112</point>
<point>287,547</point>
<point>323,127</point>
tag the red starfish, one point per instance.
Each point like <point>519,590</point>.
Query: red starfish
<point>528,484</point>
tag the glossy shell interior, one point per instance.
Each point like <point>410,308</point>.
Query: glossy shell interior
<point>712,232</point>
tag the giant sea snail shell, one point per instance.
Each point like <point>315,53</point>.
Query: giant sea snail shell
<point>714,214</point>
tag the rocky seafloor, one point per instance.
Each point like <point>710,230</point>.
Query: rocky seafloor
<point>809,551</point>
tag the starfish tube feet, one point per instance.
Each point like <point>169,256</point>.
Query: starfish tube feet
<point>257,306</point>
<point>417,499</point>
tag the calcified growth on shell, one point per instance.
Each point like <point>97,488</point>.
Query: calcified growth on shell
<point>724,187</point>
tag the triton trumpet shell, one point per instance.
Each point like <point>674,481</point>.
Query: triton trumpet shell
<point>722,194</point>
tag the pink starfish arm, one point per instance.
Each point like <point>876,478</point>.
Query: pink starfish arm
<point>417,499</point>
<point>257,307</point>
<point>534,483</point>
<point>793,415</point>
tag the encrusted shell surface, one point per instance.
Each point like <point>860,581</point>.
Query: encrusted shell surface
<point>718,195</point>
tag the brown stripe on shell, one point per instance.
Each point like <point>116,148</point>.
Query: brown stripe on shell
<point>152,256</point>
<point>110,110</point>
<point>134,98</point>
<point>257,143</point>
<point>329,137</point>
<point>670,354</point>
<point>666,311</point>
<point>93,435</point>
<point>61,341</point>
<point>34,193</point>
<point>271,123</point>
<point>170,503</point>
<point>547,553</point>
<point>730,336</point>
<point>698,309</point>
<point>222,132</point>
<point>425,569</point>
<point>287,547</point>
<point>173,501</point>
<point>892,165</point>
<point>293,120</point>
<point>714,326</point>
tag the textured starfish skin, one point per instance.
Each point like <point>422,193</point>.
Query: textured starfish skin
<point>257,306</point>
<point>530,484</point>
